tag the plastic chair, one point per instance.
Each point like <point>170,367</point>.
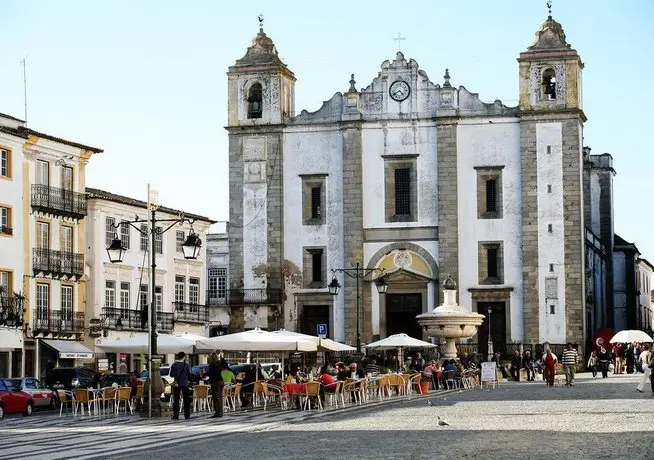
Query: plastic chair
<point>66,397</point>
<point>123,394</point>
<point>81,398</point>
<point>312,391</point>
<point>200,398</point>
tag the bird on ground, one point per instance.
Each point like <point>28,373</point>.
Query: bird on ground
<point>430,404</point>
<point>442,422</point>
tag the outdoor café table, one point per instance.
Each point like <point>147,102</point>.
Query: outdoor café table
<point>295,388</point>
<point>95,396</point>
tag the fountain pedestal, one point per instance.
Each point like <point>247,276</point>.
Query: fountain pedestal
<point>449,321</point>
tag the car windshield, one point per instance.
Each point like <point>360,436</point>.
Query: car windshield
<point>13,384</point>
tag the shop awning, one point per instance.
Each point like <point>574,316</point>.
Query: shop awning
<point>70,350</point>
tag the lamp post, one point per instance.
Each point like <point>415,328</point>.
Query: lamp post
<point>490,337</point>
<point>116,251</point>
<point>357,273</point>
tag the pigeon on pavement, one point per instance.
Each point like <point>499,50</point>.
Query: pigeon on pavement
<point>442,422</point>
<point>430,404</point>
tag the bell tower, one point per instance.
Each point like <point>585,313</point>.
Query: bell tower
<point>551,140</point>
<point>261,96</point>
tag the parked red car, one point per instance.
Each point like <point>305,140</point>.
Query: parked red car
<point>13,400</point>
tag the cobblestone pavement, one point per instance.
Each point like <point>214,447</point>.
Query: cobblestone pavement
<point>596,418</point>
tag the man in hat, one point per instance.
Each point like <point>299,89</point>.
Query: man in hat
<point>180,371</point>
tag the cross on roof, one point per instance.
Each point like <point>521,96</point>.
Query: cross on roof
<point>399,39</point>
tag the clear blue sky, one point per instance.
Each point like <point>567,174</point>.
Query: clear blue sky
<point>145,80</point>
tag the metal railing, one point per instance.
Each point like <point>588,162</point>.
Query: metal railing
<point>244,297</point>
<point>118,319</point>
<point>58,321</point>
<point>58,201</point>
<point>190,312</point>
<point>6,230</point>
<point>53,262</point>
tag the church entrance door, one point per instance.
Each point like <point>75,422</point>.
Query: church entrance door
<point>498,328</point>
<point>401,312</point>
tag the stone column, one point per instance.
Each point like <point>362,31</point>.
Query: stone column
<point>448,221</point>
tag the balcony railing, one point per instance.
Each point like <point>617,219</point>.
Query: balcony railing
<point>244,297</point>
<point>118,319</point>
<point>58,201</point>
<point>58,321</point>
<point>191,313</point>
<point>57,263</point>
<point>6,230</point>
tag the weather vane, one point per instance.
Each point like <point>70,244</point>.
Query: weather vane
<point>549,7</point>
<point>399,39</point>
<point>260,17</point>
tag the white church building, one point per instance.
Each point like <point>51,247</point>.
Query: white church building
<point>420,179</point>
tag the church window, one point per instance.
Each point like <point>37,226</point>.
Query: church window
<point>314,267</point>
<point>549,228</point>
<point>549,85</point>
<point>549,188</point>
<point>552,310</point>
<point>489,192</point>
<point>255,101</point>
<point>313,199</point>
<point>400,185</point>
<point>549,149</point>
<point>491,262</point>
<point>402,191</point>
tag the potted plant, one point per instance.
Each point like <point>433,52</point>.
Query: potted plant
<point>424,384</point>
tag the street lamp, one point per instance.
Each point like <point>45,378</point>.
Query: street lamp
<point>116,252</point>
<point>490,337</point>
<point>357,273</point>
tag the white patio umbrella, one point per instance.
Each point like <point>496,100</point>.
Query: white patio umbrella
<point>189,336</point>
<point>322,344</point>
<point>166,344</point>
<point>399,341</point>
<point>255,340</point>
<point>628,336</point>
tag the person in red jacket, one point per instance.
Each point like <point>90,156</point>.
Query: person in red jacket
<point>549,361</point>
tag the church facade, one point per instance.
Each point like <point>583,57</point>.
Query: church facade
<point>420,180</point>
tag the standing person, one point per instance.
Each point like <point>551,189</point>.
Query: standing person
<point>528,364</point>
<point>181,372</point>
<point>629,357</point>
<point>549,361</point>
<point>569,360</point>
<point>619,358</point>
<point>516,364</point>
<point>216,366</point>
<point>604,359</point>
<point>644,360</point>
<point>593,363</point>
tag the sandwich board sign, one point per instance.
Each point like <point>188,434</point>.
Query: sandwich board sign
<point>488,373</point>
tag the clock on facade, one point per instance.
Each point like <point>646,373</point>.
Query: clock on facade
<point>399,90</point>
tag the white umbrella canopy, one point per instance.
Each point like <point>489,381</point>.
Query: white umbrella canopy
<point>628,336</point>
<point>255,340</point>
<point>399,341</point>
<point>322,344</point>
<point>189,336</point>
<point>139,344</point>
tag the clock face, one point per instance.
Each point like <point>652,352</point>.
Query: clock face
<point>399,90</point>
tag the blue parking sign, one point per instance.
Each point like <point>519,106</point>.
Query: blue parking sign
<point>322,330</point>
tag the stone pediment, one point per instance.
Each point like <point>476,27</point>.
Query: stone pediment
<point>403,275</point>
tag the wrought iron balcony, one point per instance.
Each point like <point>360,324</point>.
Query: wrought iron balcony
<point>58,322</point>
<point>57,263</point>
<point>58,201</point>
<point>11,309</point>
<point>190,313</point>
<point>244,297</point>
<point>136,320</point>
<point>6,230</point>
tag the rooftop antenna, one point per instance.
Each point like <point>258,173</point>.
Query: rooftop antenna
<point>399,39</point>
<point>23,62</point>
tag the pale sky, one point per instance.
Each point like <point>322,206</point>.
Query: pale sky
<point>145,80</point>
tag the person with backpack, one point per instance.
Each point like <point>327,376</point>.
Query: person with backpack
<point>181,372</point>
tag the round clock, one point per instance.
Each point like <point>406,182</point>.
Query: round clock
<point>399,90</point>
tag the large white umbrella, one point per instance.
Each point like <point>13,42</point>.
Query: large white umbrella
<point>322,344</point>
<point>628,336</point>
<point>189,336</point>
<point>166,344</point>
<point>255,340</point>
<point>399,341</point>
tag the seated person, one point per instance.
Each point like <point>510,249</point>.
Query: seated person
<point>275,372</point>
<point>528,364</point>
<point>327,383</point>
<point>228,376</point>
<point>355,372</point>
<point>516,363</point>
<point>449,367</point>
<point>341,372</point>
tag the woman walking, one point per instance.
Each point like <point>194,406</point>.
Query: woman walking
<point>592,363</point>
<point>644,360</point>
<point>604,359</point>
<point>216,366</point>
<point>549,360</point>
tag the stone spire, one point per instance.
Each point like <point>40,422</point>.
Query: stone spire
<point>550,36</point>
<point>447,83</point>
<point>261,52</point>
<point>353,88</point>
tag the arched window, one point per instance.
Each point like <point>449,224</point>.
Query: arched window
<point>549,85</point>
<point>255,98</point>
